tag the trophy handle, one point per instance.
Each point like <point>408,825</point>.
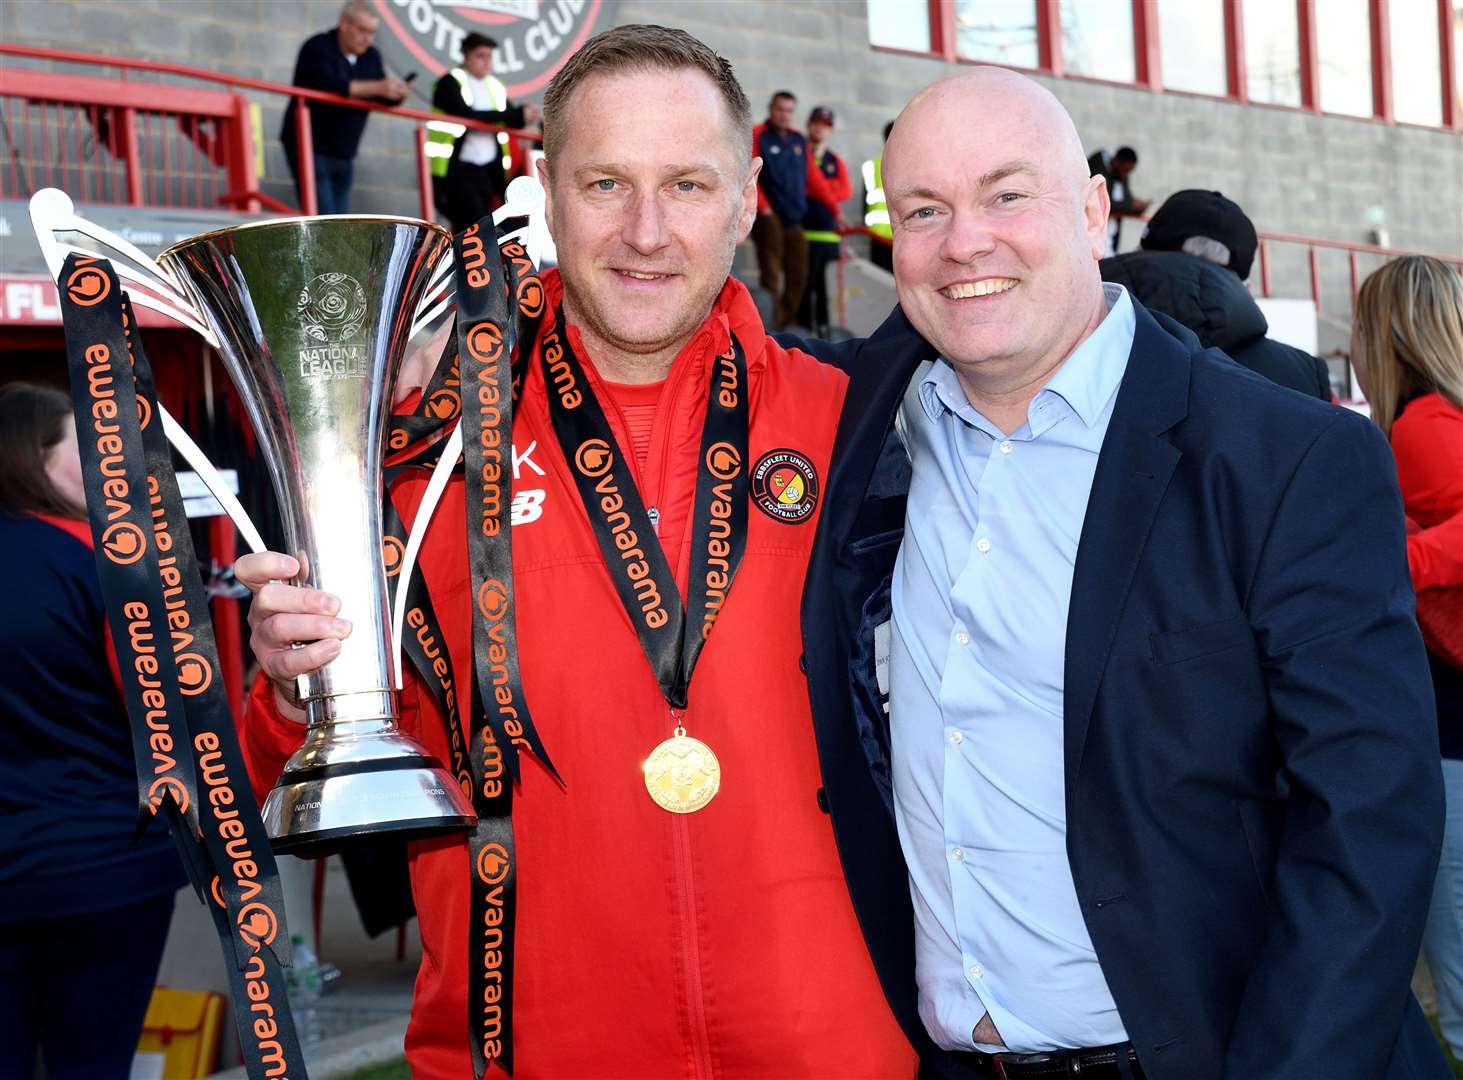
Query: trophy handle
<point>52,213</point>
<point>525,200</point>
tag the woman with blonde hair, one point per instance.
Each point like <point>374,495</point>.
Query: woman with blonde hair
<point>1407,347</point>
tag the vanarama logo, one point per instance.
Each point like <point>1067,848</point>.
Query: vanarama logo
<point>393,551</point>
<point>195,674</point>
<point>493,600</point>
<point>485,343</point>
<point>257,925</point>
<point>493,864</point>
<point>594,459</point>
<point>87,285</point>
<point>444,404</point>
<point>436,657</point>
<point>785,486</point>
<point>163,787</point>
<point>724,460</point>
<point>123,543</point>
<point>562,375</point>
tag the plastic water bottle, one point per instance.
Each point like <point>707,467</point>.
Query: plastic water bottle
<point>303,983</point>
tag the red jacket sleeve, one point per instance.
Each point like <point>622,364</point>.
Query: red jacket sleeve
<point>1427,440</point>
<point>266,737</point>
<point>829,190</point>
<point>1435,555</point>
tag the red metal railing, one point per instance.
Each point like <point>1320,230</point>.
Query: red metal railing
<point>110,140</point>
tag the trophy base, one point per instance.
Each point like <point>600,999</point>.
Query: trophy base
<point>320,810</point>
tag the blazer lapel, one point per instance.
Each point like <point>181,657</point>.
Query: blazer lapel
<point>1133,471</point>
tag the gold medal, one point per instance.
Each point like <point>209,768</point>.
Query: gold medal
<point>682,774</point>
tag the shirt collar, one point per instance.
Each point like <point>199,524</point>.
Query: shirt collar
<point>1086,380</point>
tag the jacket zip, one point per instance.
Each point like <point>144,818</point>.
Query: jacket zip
<point>685,905</point>
<point>699,1029</point>
<point>703,1067</point>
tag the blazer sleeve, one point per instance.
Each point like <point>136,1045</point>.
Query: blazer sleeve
<point>1353,716</point>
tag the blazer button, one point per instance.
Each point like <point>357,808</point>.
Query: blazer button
<point>803,663</point>
<point>823,800</point>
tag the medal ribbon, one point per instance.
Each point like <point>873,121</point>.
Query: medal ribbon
<point>671,634</point>
<point>182,725</point>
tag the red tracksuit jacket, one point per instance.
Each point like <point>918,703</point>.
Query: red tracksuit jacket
<point>649,944</point>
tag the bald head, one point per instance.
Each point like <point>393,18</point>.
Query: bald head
<point>989,105</point>
<point>997,227</point>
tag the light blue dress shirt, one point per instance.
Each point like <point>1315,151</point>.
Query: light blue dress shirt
<point>980,597</point>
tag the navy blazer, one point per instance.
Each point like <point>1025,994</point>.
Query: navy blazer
<point>1254,799</point>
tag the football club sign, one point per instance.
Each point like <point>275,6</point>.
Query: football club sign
<point>534,37</point>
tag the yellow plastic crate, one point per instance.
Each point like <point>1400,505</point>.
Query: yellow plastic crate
<point>180,1034</point>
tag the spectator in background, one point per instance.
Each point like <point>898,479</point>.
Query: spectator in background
<point>1197,252</point>
<point>1407,345</point>
<point>1117,169</point>
<point>828,187</point>
<point>84,907</point>
<point>876,210</point>
<point>341,61</point>
<point>475,179</point>
<point>782,200</point>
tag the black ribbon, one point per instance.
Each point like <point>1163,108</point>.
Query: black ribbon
<point>182,726</point>
<point>671,635</point>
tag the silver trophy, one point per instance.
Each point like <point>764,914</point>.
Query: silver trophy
<point>312,317</point>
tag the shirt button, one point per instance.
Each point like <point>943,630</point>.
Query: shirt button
<point>962,638</point>
<point>958,854</point>
<point>957,737</point>
<point>1006,446</point>
<point>976,971</point>
<point>982,545</point>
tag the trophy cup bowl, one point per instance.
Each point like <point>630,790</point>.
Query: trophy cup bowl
<point>312,316</point>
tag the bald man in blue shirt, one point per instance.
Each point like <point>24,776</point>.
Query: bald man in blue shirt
<point>1111,646</point>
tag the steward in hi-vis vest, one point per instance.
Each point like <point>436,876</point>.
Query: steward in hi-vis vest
<point>876,210</point>
<point>469,168</point>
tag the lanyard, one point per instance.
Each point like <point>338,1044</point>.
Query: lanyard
<point>671,634</point>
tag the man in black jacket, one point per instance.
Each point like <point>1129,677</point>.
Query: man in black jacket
<point>1110,644</point>
<point>1197,253</point>
<point>344,62</point>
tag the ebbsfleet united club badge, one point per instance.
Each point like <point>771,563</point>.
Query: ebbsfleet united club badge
<point>785,486</point>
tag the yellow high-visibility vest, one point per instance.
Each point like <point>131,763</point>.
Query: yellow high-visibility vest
<point>442,135</point>
<point>876,210</point>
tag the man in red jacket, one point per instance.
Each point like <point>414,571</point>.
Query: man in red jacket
<point>718,940</point>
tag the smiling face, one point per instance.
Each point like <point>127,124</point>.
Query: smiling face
<point>646,207</point>
<point>997,226</point>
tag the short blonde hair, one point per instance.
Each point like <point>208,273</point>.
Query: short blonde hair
<point>1408,325</point>
<point>644,47</point>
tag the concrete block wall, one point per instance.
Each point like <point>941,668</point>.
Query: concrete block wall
<point>1292,171</point>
